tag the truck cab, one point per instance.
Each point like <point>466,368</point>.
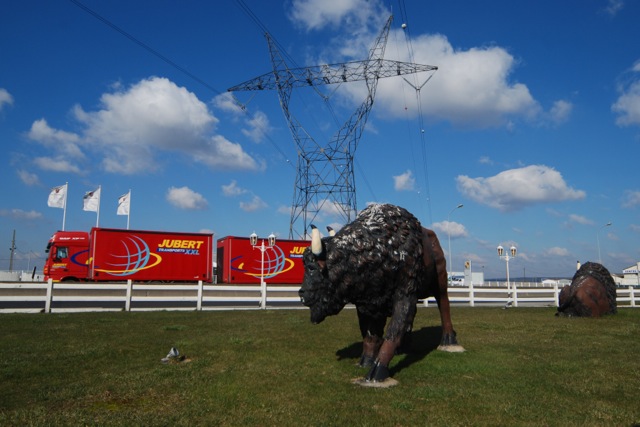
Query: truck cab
<point>67,256</point>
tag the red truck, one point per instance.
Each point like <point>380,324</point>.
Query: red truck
<point>240,263</point>
<point>107,254</point>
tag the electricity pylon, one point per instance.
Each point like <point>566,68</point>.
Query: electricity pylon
<point>325,179</point>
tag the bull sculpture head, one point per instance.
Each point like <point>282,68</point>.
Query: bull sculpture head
<point>318,292</point>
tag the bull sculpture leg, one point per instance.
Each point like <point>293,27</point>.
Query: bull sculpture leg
<point>401,322</point>
<point>434,257</point>
<point>449,341</point>
<point>372,330</point>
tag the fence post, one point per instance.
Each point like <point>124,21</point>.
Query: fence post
<point>632,296</point>
<point>47,303</point>
<point>199,303</point>
<point>515,295</point>
<point>127,303</point>
<point>471,294</point>
<point>425,302</point>
<point>555,294</point>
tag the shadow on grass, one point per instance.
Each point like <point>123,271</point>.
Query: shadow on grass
<point>422,342</point>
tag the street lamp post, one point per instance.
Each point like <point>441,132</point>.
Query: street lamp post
<point>598,240</point>
<point>512,254</point>
<point>253,239</point>
<point>449,233</point>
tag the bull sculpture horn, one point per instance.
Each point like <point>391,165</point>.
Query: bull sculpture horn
<point>316,244</point>
<point>331,231</point>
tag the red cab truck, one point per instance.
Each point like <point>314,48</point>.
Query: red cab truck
<point>240,263</point>
<point>107,254</point>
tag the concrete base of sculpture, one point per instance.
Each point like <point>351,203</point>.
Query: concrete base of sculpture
<point>451,348</point>
<point>389,382</point>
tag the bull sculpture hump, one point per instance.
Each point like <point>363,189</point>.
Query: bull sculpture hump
<point>383,262</point>
<point>592,293</point>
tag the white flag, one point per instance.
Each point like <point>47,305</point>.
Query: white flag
<point>123,204</point>
<point>91,200</point>
<point>58,197</point>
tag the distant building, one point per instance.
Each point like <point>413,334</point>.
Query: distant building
<point>456,278</point>
<point>629,276</point>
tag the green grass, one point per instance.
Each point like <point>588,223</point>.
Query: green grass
<point>523,366</point>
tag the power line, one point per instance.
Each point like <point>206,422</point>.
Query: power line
<point>417,87</point>
<point>144,46</point>
<point>183,70</point>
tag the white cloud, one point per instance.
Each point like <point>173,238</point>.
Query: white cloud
<point>20,214</point>
<point>232,189</point>
<point>632,198</point>
<point>473,86</point>
<point>485,160</point>
<point>579,219</point>
<point>317,14</point>
<point>516,188</point>
<point>258,127</point>
<point>560,111</point>
<point>628,104</point>
<point>284,209</point>
<point>56,164</point>
<point>556,252</point>
<point>135,125</point>
<point>28,178</point>
<point>227,102</point>
<point>255,204</point>
<point>5,98</point>
<point>404,182</point>
<point>614,6</point>
<point>219,152</point>
<point>446,228</point>
<point>185,198</point>
<point>65,144</point>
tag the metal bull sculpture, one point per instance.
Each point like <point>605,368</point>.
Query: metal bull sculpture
<point>592,293</point>
<point>383,262</point>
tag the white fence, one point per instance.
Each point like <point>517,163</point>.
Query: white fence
<point>65,297</point>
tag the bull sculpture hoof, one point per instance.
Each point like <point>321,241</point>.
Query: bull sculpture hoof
<point>366,361</point>
<point>378,373</point>
<point>450,344</point>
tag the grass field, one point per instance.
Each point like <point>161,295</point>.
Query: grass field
<point>523,366</point>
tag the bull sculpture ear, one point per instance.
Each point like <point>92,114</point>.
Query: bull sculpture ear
<point>316,243</point>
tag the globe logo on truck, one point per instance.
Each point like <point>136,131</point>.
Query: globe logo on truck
<point>275,263</point>
<point>135,256</point>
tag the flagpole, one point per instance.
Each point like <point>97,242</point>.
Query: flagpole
<point>129,210</point>
<point>64,211</point>
<point>98,211</point>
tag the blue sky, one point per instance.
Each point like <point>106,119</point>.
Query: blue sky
<point>532,121</point>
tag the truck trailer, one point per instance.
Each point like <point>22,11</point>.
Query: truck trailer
<point>238,262</point>
<point>109,254</point>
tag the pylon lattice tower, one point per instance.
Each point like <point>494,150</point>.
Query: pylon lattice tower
<point>325,179</point>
